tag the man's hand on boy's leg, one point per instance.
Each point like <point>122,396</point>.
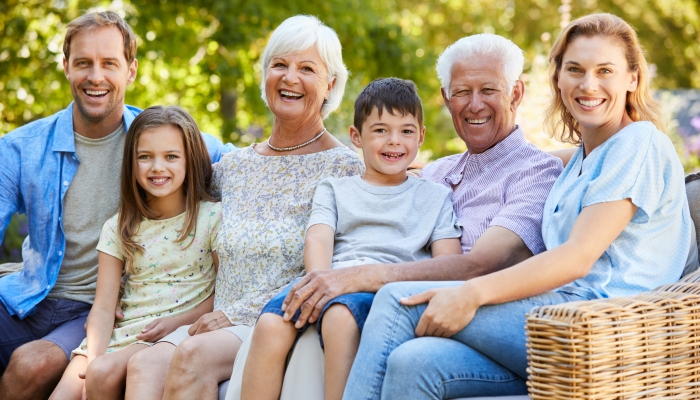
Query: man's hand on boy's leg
<point>496,249</point>
<point>317,288</point>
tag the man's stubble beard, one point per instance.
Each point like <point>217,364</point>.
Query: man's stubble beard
<point>92,118</point>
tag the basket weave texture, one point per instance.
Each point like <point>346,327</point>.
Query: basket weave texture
<point>639,347</point>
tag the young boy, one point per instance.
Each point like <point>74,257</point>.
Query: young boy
<point>383,216</point>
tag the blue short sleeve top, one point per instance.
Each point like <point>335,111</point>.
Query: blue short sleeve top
<point>638,163</point>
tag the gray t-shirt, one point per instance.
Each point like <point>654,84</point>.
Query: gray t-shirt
<point>383,224</point>
<point>92,197</point>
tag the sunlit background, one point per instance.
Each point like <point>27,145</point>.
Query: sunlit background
<point>204,56</point>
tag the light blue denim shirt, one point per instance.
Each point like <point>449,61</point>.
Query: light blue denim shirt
<point>638,163</point>
<point>37,164</point>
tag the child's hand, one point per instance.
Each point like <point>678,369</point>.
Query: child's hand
<point>158,329</point>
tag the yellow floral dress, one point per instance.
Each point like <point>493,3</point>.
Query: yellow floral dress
<point>266,205</point>
<point>168,278</point>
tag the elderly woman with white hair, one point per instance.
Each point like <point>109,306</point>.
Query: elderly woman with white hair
<point>266,190</point>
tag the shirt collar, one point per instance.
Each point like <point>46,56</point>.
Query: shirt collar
<point>63,139</point>
<point>511,142</point>
<point>483,160</point>
<point>63,135</point>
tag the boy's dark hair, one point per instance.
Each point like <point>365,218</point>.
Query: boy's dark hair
<point>390,94</point>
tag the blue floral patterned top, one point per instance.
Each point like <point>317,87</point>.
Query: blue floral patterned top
<point>266,206</point>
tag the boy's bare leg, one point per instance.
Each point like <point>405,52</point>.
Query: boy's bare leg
<point>341,338</point>
<point>106,374</point>
<point>199,364</point>
<point>147,370</point>
<point>71,386</point>
<point>264,368</point>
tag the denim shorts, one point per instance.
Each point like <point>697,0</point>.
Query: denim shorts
<point>359,305</point>
<point>58,321</point>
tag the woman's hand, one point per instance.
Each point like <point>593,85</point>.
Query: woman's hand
<point>210,322</point>
<point>449,310</point>
<point>158,329</point>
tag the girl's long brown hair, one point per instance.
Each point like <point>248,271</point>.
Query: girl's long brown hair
<point>640,105</point>
<point>133,206</point>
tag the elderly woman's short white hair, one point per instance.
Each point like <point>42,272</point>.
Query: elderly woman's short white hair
<point>484,44</point>
<point>298,33</point>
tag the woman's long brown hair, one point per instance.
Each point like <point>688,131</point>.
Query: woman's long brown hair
<point>133,205</point>
<point>640,105</point>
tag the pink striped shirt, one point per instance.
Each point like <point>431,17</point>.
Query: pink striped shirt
<point>506,186</point>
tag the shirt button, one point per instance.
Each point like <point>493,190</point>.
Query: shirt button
<point>65,183</point>
<point>21,311</point>
<point>48,287</point>
<point>60,253</point>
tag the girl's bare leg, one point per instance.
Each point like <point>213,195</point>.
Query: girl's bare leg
<point>264,368</point>
<point>71,386</point>
<point>199,364</point>
<point>341,338</point>
<point>147,370</point>
<point>106,374</point>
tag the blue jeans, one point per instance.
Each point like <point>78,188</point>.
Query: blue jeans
<point>486,358</point>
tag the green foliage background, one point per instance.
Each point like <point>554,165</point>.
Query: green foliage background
<point>204,55</point>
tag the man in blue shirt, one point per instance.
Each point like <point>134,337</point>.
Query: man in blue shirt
<point>63,173</point>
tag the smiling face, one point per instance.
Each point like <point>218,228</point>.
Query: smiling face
<point>161,165</point>
<point>98,74</point>
<point>482,109</point>
<point>296,85</point>
<point>594,81</point>
<point>389,144</point>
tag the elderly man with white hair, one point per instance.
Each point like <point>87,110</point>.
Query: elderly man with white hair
<point>499,189</point>
<point>500,185</point>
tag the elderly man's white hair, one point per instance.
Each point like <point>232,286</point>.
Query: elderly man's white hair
<point>298,33</point>
<point>484,44</point>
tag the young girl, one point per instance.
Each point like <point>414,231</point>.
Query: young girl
<point>162,240</point>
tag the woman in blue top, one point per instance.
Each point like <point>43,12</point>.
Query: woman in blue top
<point>615,223</point>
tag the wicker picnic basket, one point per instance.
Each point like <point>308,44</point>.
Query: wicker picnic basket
<point>639,347</point>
